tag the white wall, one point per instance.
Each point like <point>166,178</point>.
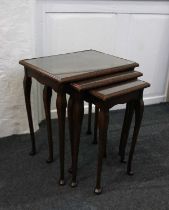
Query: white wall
<point>17,42</point>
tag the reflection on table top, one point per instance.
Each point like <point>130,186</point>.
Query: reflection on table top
<point>82,64</point>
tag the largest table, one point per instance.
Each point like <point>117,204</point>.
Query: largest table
<point>58,72</point>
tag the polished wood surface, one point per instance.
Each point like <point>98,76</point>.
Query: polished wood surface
<point>105,93</point>
<point>106,80</point>
<point>79,65</point>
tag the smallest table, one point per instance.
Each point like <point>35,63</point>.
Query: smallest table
<point>130,92</point>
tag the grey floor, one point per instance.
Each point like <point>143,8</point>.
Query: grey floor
<point>29,183</point>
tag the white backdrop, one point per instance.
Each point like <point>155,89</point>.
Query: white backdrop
<point>16,38</point>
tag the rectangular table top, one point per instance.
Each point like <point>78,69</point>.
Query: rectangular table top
<point>105,80</point>
<point>106,93</point>
<point>78,65</point>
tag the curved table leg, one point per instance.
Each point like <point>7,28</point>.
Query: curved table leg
<point>89,130</point>
<point>103,127</point>
<point>71,127</point>
<point>47,94</point>
<point>126,129</point>
<point>78,117</point>
<point>61,111</point>
<point>139,109</point>
<point>27,83</point>
<point>95,125</point>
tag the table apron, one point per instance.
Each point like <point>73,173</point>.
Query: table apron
<point>43,78</point>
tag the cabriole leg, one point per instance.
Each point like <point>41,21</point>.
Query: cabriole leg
<point>139,108</point>
<point>61,111</point>
<point>71,125</point>
<point>126,129</point>
<point>47,94</point>
<point>78,117</point>
<point>27,83</point>
<point>103,126</point>
<point>95,125</point>
<point>89,119</point>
